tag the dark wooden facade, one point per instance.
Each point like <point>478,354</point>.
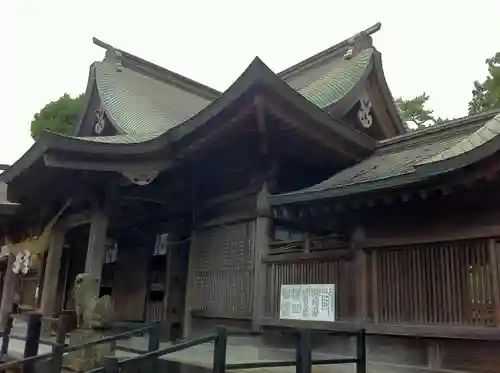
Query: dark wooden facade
<point>210,215</point>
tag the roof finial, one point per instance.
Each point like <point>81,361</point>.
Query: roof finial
<point>112,54</point>
<point>359,40</point>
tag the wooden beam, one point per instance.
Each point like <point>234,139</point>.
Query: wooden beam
<point>305,257</point>
<point>445,235</point>
<point>421,331</point>
<point>199,144</point>
<point>328,141</point>
<point>260,122</point>
<point>52,160</point>
<point>75,220</point>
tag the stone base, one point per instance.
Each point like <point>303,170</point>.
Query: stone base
<point>88,358</point>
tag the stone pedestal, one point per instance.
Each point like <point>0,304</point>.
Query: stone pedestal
<point>88,358</point>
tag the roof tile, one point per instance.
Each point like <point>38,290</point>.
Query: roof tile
<point>337,79</point>
<point>138,104</point>
<point>394,159</point>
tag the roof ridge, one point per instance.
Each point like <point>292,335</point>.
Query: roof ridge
<point>456,122</point>
<point>304,64</point>
<point>154,69</point>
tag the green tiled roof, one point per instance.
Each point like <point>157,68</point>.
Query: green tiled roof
<point>409,158</point>
<point>142,108</point>
<point>138,104</point>
<point>133,138</point>
<point>340,76</point>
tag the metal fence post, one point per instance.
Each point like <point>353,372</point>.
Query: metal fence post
<point>220,347</point>
<point>110,364</point>
<point>154,344</point>
<point>361,351</point>
<point>303,359</point>
<point>57,359</point>
<point>32,339</point>
<point>6,335</point>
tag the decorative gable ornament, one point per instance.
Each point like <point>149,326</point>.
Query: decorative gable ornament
<point>111,251</point>
<point>115,56</point>
<point>100,121</point>
<point>353,45</point>
<point>161,244</point>
<point>364,112</point>
<point>141,177</point>
<point>22,262</point>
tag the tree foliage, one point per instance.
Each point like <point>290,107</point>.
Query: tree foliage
<point>414,111</point>
<point>60,116</point>
<point>486,95</point>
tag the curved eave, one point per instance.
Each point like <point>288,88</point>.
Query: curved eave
<point>256,75</point>
<point>386,92</point>
<point>423,171</point>
<point>89,94</point>
<point>87,99</point>
<point>346,102</point>
<point>327,53</point>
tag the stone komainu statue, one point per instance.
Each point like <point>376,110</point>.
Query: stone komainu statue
<point>92,312</point>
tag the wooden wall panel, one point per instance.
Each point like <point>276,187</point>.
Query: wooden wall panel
<point>222,270</point>
<point>130,281</point>
<point>442,283</point>
<point>476,357</point>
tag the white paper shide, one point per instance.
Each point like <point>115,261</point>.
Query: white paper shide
<point>311,302</point>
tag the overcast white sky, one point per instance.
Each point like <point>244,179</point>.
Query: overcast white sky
<point>46,46</point>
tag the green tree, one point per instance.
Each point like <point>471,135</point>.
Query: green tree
<point>486,95</point>
<point>414,111</point>
<point>59,116</point>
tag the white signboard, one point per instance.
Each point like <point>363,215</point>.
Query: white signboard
<point>312,302</point>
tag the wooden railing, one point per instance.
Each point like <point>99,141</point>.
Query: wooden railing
<point>303,355</point>
<point>149,359</point>
<point>59,348</point>
<point>33,338</point>
<point>312,244</point>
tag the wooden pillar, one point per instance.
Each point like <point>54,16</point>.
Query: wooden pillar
<point>359,272</point>
<point>362,284</point>
<point>374,286</point>
<point>130,283</point>
<point>96,251</point>
<point>8,290</point>
<point>176,268</point>
<point>191,283</point>
<point>263,221</point>
<point>261,246</point>
<point>52,267</point>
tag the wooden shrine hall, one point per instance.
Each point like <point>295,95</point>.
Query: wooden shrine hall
<point>192,207</point>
